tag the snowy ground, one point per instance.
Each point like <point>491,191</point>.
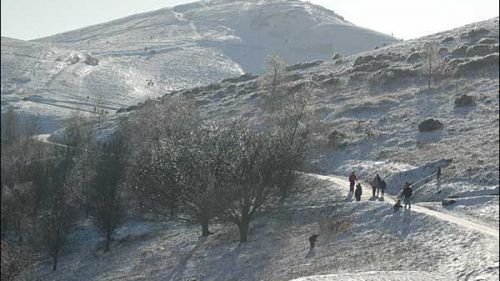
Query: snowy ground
<point>175,48</point>
<point>376,105</point>
<point>358,240</point>
<point>375,100</point>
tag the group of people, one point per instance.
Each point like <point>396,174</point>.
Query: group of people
<point>378,186</point>
<point>378,189</point>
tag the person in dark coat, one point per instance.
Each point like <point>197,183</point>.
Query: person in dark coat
<point>352,181</point>
<point>383,185</point>
<point>438,173</point>
<point>397,206</point>
<point>407,193</point>
<point>358,192</point>
<point>312,240</point>
<point>376,185</point>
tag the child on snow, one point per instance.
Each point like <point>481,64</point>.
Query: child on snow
<point>397,206</point>
<point>312,240</point>
<point>358,192</point>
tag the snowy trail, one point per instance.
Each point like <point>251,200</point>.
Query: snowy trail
<point>492,232</point>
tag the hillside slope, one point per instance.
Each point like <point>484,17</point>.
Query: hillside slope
<point>372,104</point>
<point>375,102</point>
<point>358,241</point>
<point>143,56</point>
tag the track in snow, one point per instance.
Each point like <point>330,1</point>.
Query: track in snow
<point>491,232</point>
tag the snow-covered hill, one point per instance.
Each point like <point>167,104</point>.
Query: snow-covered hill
<point>372,104</point>
<point>126,61</point>
<point>359,241</point>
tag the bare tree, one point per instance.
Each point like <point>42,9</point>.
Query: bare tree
<point>14,259</point>
<point>165,171</point>
<point>273,82</point>
<point>156,135</point>
<point>105,187</point>
<point>79,137</point>
<point>10,126</point>
<point>256,164</point>
<point>432,62</point>
<point>59,212</point>
<point>294,119</point>
<point>202,162</point>
<point>139,177</point>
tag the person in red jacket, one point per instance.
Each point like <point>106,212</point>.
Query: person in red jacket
<point>352,181</point>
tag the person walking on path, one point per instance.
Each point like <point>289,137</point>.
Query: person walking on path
<point>358,192</point>
<point>438,173</point>
<point>376,187</point>
<point>352,181</point>
<point>407,193</point>
<point>312,240</point>
<point>383,185</point>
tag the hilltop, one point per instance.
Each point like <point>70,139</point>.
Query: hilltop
<point>143,56</point>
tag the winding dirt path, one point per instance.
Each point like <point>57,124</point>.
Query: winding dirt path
<point>472,225</point>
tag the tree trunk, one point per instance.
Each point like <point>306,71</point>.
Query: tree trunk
<point>204,226</point>
<point>108,239</point>
<point>87,203</point>
<point>243,227</point>
<point>141,204</point>
<point>283,193</point>
<point>54,264</point>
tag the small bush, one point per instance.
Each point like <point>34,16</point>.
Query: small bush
<point>479,50</point>
<point>14,259</point>
<point>242,78</point>
<point>475,32</point>
<point>357,78</point>
<point>90,60</point>
<point>336,139</point>
<point>334,81</point>
<point>320,76</point>
<point>487,41</point>
<point>455,62</point>
<point>464,100</point>
<point>72,59</point>
<point>414,57</point>
<point>303,65</point>
<point>459,51</point>
<point>475,65</point>
<point>393,76</point>
<point>370,66</point>
<point>335,225</point>
<point>429,125</point>
<point>448,39</point>
<point>443,51</point>
<point>389,56</point>
<point>363,59</point>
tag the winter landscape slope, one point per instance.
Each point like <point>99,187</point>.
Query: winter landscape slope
<point>372,103</point>
<point>358,241</point>
<point>110,65</point>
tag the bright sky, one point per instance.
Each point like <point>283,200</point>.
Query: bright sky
<point>30,19</point>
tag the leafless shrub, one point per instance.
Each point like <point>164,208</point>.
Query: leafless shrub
<point>14,259</point>
<point>464,100</point>
<point>433,65</point>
